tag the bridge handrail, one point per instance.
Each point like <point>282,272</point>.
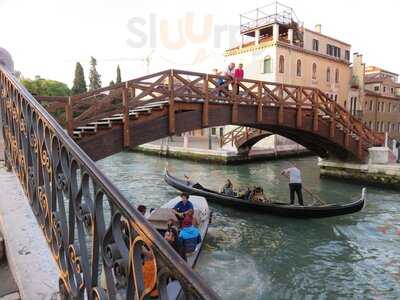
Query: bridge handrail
<point>171,85</point>
<point>71,198</point>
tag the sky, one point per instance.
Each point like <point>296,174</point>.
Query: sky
<point>48,37</point>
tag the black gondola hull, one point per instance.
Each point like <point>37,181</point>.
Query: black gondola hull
<point>279,209</point>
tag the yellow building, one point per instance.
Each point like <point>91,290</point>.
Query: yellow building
<point>276,47</point>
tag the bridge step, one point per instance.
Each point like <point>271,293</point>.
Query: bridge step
<point>101,124</point>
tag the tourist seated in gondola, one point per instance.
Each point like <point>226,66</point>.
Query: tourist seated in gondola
<point>258,195</point>
<point>171,235</point>
<point>183,207</point>
<point>227,189</point>
<point>189,236</point>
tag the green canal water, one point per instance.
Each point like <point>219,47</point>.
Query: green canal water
<point>255,256</point>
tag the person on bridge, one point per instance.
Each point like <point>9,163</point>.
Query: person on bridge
<point>294,183</point>
<point>230,73</point>
<point>183,207</point>
<point>239,75</point>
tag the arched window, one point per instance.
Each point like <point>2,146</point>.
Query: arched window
<point>337,76</point>
<point>298,68</point>
<point>328,74</point>
<point>314,71</point>
<point>281,64</point>
<point>267,66</point>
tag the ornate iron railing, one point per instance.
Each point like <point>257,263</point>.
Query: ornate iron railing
<point>96,236</point>
<point>240,134</point>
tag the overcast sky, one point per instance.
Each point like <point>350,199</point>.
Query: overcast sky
<point>47,37</point>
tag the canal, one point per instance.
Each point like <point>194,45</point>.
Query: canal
<point>254,256</point>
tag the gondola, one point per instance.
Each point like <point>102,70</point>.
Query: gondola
<point>273,208</point>
<point>159,218</point>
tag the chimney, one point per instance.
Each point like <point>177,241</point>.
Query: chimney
<point>318,28</point>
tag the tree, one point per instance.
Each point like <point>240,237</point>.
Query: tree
<point>79,85</point>
<point>118,75</point>
<point>94,76</point>
<point>112,83</point>
<point>45,87</point>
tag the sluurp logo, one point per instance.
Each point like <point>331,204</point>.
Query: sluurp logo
<point>199,34</point>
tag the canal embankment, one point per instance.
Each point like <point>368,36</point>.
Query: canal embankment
<point>210,151</point>
<point>381,175</point>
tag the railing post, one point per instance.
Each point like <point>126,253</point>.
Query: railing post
<point>281,105</point>
<point>333,120</point>
<point>316,108</point>
<point>347,132</point>
<point>69,116</point>
<point>299,103</point>
<point>259,100</point>
<point>125,105</point>
<point>205,103</point>
<point>171,108</point>
<point>235,103</point>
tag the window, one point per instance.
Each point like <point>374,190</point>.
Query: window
<point>314,71</point>
<point>328,75</point>
<point>347,55</point>
<point>392,91</point>
<point>267,67</point>
<point>333,51</point>
<point>371,105</point>
<point>281,64</point>
<point>376,88</point>
<point>337,76</point>
<point>390,107</point>
<point>315,45</point>
<point>213,131</point>
<point>384,89</point>
<point>298,68</point>
<point>335,98</point>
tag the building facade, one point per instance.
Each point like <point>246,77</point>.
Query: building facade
<point>276,47</point>
<point>378,102</point>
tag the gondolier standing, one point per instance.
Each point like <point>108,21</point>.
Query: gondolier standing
<point>294,183</point>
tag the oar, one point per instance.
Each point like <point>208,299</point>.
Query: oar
<point>314,197</point>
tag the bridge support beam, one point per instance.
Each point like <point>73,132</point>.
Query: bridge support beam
<point>333,121</point>
<point>69,117</point>
<point>259,107</point>
<point>235,104</point>
<point>299,116</point>
<point>205,104</point>
<point>125,104</point>
<point>315,108</point>
<point>171,107</point>
<point>281,105</point>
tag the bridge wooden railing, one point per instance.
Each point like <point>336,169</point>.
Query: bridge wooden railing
<point>178,85</point>
<point>96,236</point>
<point>238,134</point>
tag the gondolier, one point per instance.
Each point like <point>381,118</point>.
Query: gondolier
<point>294,184</point>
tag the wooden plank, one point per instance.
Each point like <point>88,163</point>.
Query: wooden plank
<point>235,104</point>
<point>315,114</point>
<point>333,121</point>
<point>259,100</point>
<point>299,113</point>
<point>69,116</point>
<point>171,107</point>
<point>125,105</point>
<point>205,103</point>
<point>281,105</point>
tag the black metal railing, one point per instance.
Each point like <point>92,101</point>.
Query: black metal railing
<point>96,236</point>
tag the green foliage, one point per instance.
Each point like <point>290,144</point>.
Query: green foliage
<point>45,87</point>
<point>112,83</point>
<point>94,76</point>
<point>79,85</point>
<point>118,75</point>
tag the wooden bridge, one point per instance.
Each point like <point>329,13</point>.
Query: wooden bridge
<point>105,121</point>
<point>243,138</point>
